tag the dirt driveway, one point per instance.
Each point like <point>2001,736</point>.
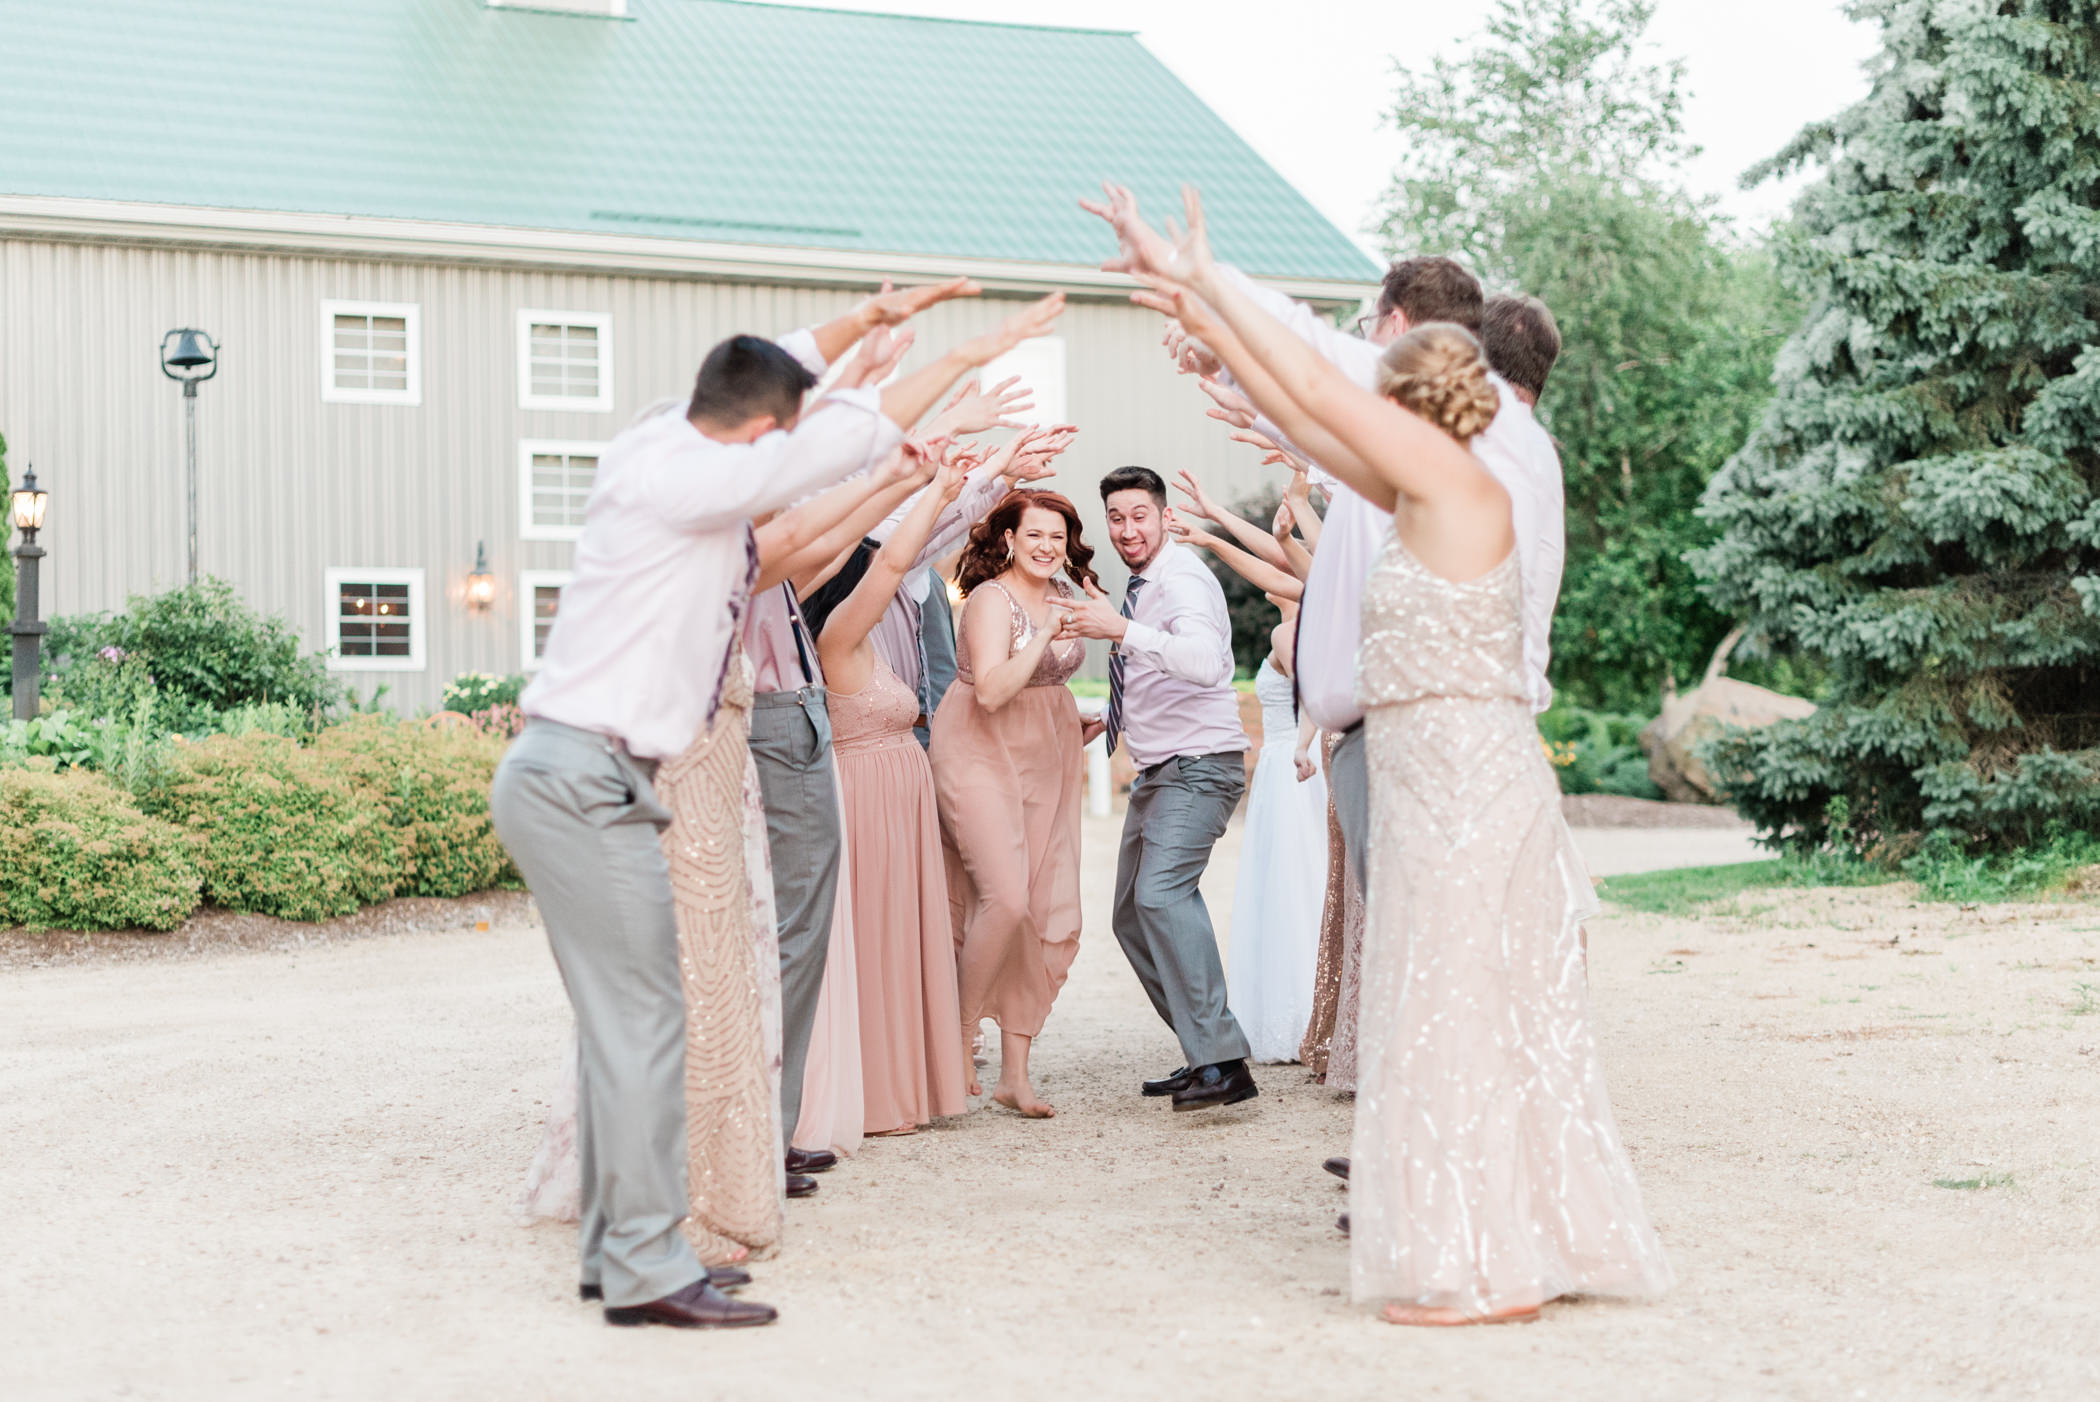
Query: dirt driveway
<point>1868,1131</point>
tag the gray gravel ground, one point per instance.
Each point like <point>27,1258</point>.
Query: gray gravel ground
<point>1869,1132</point>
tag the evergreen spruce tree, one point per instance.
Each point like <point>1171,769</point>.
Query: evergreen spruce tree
<point>1920,508</point>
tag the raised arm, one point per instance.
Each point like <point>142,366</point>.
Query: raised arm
<point>1254,541</point>
<point>908,400</point>
<point>816,530</point>
<point>1267,577</point>
<point>889,307</point>
<point>842,646</point>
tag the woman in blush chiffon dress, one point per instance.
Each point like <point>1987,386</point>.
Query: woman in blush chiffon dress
<point>1487,1175</point>
<point>1007,742</point>
<point>911,1067</point>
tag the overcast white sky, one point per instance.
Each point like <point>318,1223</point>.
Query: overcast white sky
<point>1306,81</point>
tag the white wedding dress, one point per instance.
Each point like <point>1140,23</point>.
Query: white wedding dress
<point>1282,882</point>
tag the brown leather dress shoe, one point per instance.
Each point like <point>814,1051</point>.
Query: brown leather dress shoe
<point>721,1277</point>
<point>811,1160</point>
<point>698,1306</point>
<point>1226,1083</point>
<point>801,1185</point>
<point>1338,1166</point>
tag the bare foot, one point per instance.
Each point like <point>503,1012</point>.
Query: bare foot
<point>1022,1098</point>
<point>1440,1317</point>
<point>970,1039</point>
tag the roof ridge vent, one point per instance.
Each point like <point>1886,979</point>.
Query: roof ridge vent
<point>602,9</point>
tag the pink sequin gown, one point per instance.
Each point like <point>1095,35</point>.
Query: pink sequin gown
<point>1009,783</point>
<point>1487,1172</point>
<point>910,1060</point>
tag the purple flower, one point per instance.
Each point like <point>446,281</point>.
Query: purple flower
<point>111,654</point>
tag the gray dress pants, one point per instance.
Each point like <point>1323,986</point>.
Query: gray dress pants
<point>1178,811</point>
<point>580,818</point>
<point>791,743</point>
<point>1349,782</point>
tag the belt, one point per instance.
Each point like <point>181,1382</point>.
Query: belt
<point>800,696</point>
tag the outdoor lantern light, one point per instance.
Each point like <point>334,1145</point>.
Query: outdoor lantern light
<point>28,631</point>
<point>193,359</point>
<point>481,585</point>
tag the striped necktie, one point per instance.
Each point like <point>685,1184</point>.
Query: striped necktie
<point>1116,662</point>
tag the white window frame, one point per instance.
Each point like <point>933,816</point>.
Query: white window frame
<point>335,577</point>
<point>599,321</point>
<point>529,580</point>
<point>1041,363</point>
<point>528,448</point>
<point>409,312</point>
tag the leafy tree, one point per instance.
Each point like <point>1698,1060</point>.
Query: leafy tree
<point>1547,157</point>
<point>1920,507</point>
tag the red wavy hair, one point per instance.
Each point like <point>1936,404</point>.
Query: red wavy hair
<point>985,556</point>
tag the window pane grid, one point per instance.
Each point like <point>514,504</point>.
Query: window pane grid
<point>563,361</point>
<point>372,620</point>
<point>371,352</point>
<point>546,601</point>
<point>561,485</point>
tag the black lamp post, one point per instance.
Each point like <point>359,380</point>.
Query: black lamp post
<point>28,511</point>
<point>194,359</point>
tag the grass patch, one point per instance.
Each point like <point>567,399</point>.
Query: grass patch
<point>1688,890</point>
<point>1946,873</point>
<point>1970,1185</point>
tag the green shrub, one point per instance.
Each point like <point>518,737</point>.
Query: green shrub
<point>434,784</point>
<point>285,830</point>
<point>1596,752</point>
<point>76,854</point>
<point>1947,869</point>
<point>56,737</point>
<point>201,647</point>
<point>480,691</point>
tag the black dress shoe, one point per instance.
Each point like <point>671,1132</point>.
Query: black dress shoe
<point>811,1160</point>
<point>1167,1085</point>
<point>801,1185</point>
<point>1224,1083</point>
<point>721,1277</point>
<point>1338,1166</point>
<point>698,1306</point>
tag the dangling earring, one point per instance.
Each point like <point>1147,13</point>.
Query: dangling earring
<point>1009,550</point>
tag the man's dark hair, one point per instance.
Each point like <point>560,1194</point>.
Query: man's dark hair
<point>747,377</point>
<point>1521,339</point>
<point>1431,289</point>
<point>1134,479</point>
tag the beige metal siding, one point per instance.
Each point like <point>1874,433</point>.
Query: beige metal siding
<point>290,485</point>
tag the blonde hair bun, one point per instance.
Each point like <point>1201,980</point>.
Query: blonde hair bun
<point>1439,372</point>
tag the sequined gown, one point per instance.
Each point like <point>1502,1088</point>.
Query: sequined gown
<point>1009,784</point>
<point>1487,1174</point>
<point>1276,900</point>
<point>734,1168</point>
<point>1329,1046</point>
<point>904,949</point>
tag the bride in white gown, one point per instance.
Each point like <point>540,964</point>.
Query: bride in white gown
<point>1282,880</point>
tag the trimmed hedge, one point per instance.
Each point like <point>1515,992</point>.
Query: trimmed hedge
<point>76,854</point>
<point>285,831</point>
<point>434,783</point>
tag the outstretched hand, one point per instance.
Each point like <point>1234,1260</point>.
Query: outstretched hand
<point>880,351</point>
<point>1140,248</point>
<point>1093,617</point>
<point>1189,535</point>
<point>1190,356</point>
<point>891,306</point>
<point>1228,406</point>
<point>1033,320</point>
<point>1199,500</point>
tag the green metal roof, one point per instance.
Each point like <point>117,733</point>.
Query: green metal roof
<point>695,119</point>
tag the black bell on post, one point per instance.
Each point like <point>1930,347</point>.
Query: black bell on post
<point>189,352</point>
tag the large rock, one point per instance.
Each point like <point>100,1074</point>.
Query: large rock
<point>1672,739</point>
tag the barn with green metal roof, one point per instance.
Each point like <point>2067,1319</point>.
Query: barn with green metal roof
<point>448,247</point>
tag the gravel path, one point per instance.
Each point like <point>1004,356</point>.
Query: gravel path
<point>288,1172</point>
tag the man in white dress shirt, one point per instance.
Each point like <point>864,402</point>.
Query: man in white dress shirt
<point>633,672</point>
<point>1172,705</point>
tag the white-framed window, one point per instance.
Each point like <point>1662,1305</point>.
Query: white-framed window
<point>1041,365</point>
<point>371,353</point>
<point>375,619</point>
<point>554,482</point>
<point>539,599</point>
<point>565,361</point>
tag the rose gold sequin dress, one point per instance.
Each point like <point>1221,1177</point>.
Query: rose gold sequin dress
<point>904,948</point>
<point>734,1169</point>
<point>1329,1047</point>
<point>1009,783</point>
<point>1486,1173</point>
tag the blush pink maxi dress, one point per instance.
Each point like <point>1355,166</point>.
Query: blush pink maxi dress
<point>1009,783</point>
<point>910,1062</point>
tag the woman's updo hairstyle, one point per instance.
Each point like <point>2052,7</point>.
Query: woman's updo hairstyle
<point>1439,371</point>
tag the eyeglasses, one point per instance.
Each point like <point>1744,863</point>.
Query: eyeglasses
<point>1367,323</point>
